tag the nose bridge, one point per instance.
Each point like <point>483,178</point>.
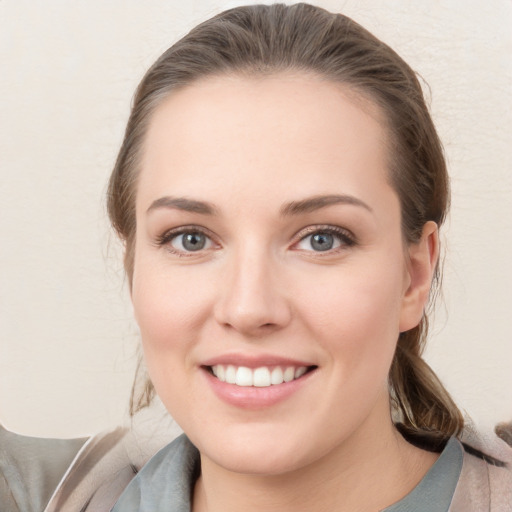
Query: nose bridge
<point>252,299</point>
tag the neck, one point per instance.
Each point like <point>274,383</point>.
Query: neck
<point>373,469</point>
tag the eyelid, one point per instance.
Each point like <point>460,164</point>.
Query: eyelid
<point>164,240</point>
<point>346,237</point>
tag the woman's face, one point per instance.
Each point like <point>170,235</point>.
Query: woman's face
<point>269,252</point>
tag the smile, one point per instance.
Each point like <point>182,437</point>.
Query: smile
<point>261,377</point>
<point>255,383</point>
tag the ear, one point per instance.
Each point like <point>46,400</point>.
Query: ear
<point>421,264</point>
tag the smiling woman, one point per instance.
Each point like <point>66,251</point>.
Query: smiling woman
<point>260,296</point>
<point>279,192</point>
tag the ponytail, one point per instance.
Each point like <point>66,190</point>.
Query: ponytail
<point>425,412</point>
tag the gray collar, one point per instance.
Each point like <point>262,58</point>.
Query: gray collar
<point>435,491</point>
<point>166,482</point>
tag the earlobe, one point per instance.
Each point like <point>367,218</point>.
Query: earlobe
<point>421,266</point>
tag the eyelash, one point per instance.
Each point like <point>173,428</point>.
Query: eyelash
<point>167,237</point>
<point>345,237</point>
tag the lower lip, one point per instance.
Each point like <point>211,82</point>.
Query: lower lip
<point>251,397</point>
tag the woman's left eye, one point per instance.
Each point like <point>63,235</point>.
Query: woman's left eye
<point>324,240</point>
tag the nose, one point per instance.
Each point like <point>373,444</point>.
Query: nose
<point>252,296</point>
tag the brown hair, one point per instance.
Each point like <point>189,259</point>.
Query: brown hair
<point>259,40</point>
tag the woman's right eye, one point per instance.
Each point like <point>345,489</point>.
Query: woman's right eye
<point>188,241</point>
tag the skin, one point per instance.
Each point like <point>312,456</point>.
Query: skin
<point>248,147</point>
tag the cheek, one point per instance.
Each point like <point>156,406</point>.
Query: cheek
<point>169,308</point>
<point>356,316</point>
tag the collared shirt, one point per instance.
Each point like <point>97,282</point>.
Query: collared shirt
<point>166,482</point>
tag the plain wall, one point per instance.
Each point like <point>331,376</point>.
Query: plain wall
<point>67,74</point>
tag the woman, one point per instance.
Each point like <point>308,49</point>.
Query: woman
<point>279,192</point>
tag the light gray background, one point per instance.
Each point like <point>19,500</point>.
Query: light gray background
<point>67,74</point>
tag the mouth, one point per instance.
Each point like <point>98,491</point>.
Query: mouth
<point>261,377</point>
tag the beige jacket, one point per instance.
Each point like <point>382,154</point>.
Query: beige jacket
<point>483,486</point>
<point>107,462</point>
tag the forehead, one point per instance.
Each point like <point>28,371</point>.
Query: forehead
<point>261,133</point>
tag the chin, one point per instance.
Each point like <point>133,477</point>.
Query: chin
<point>262,463</point>
<point>259,453</point>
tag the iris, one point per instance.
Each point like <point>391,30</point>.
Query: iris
<point>193,241</point>
<point>322,241</point>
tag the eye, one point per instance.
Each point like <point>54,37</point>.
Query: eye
<point>185,241</point>
<point>325,239</point>
<point>190,242</point>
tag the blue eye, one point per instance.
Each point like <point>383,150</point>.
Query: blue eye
<point>185,240</point>
<point>323,240</point>
<point>190,241</point>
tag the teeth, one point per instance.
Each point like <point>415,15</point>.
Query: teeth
<point>243,376</point>
<point>277,376</point>
<point>230,374</point>
<point>221,373</point>
<point>260,377</point>
<point>299,372</point>
<point>289,374</point>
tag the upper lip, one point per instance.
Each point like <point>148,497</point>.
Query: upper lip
<point>255,361</point>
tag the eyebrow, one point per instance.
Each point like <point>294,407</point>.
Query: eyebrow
<point>184,204</point>
<point>307,205</point>
<point>314,203</point>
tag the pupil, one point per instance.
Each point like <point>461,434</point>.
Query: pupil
<point>322,241</point>
<point>193,241</point>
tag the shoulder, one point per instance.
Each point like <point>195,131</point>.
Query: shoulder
<point>485,482</point>
<point>31,468</point>
<point>109,461</point>
<point>66,474</point>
